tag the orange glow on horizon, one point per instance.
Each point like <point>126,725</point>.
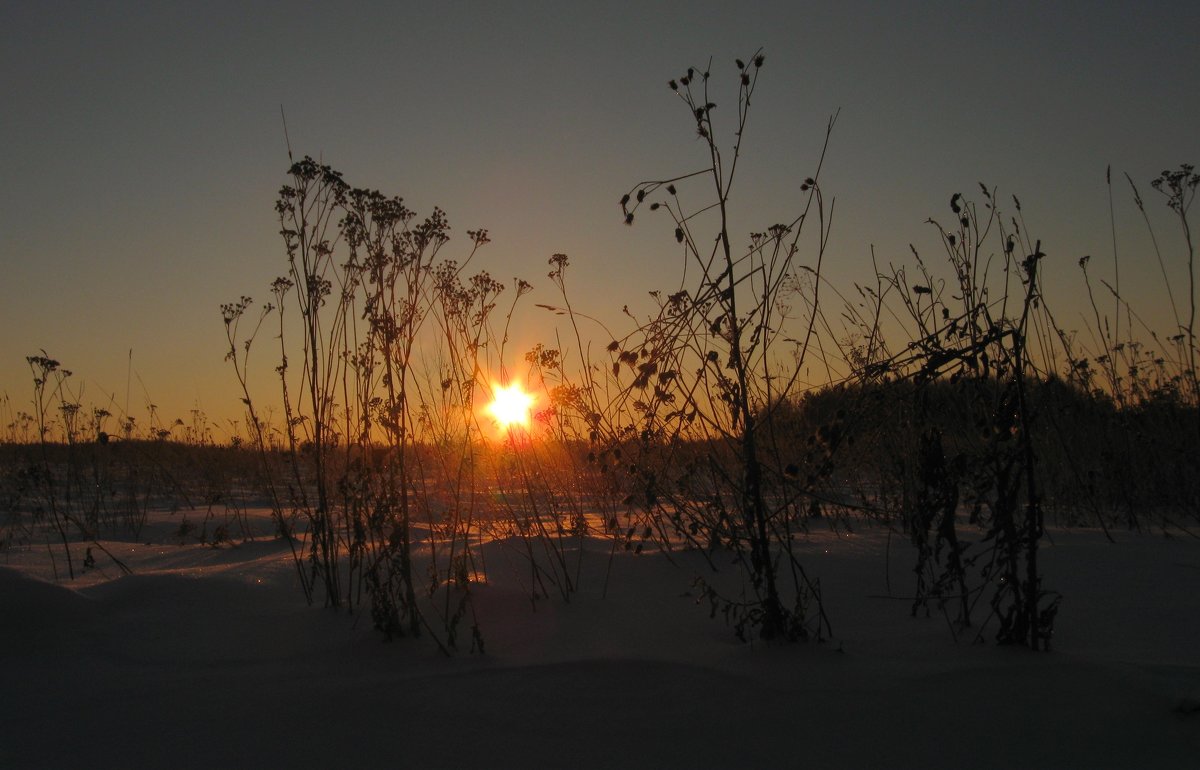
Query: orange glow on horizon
<point>511,406</point>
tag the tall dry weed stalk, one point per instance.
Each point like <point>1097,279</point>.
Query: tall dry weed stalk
<point>958,374</point>
<point>679,416</point>
<point>378,435</point>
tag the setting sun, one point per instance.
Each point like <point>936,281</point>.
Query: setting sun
<point>510,406</point>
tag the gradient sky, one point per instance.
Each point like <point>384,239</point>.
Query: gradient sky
<point>141,147</point>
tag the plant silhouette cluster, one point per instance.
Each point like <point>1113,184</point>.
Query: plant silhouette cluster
<point>956,411</point>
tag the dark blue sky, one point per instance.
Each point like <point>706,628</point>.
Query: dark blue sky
<point>141,145</point>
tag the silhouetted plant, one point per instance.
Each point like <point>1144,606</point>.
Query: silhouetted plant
<point>680,418</point>
<point>374,428</point>
<point>972,343</point>
<point>48,382</point>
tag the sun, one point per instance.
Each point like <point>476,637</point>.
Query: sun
<point>510,406</point>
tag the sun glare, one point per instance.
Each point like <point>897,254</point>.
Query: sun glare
<point>510,406</point>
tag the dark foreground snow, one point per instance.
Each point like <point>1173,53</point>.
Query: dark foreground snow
<point>209,658</point>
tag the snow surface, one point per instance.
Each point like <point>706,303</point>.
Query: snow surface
<point>209,657</point>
